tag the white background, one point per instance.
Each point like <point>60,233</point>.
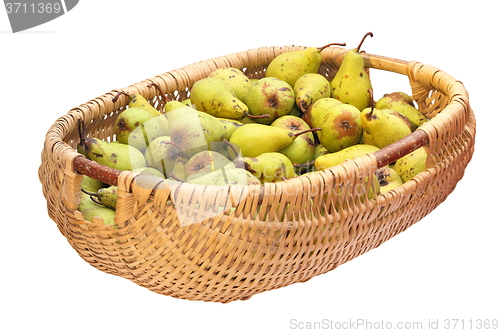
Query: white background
<point>444,267</point>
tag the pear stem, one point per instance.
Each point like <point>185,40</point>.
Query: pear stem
<point>301,106</point>
<point>89,193</point>
<point>81,129</point>
<point>303,164</point>
<point>331,44</point>
<point>172,175</point>
<point>154,84</point>
<point>372,102</point>
<point>307,131</point>
<point>364,37</point>
<point>237,158</point>
<point>267,115</point>
<point>118,95</point>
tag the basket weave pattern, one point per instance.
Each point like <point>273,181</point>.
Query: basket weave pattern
<point>276,234</point>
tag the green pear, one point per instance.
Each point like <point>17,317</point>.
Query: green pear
<point>136,127</point>
<point>351,83</point>
<point>230,125</point>
<point>161,155</point>
<point>268,99</point>
<point>90,184</point>
<point>207,161</point>
<point>270,167</point>
<point>107,196</point>
<point>269,139</point>
<point>106,214</point>
<point>215,96</point>
<point>382,128</point>
<point>138,101</point>
<point>195,131</point>
<point>150,171</point>
<point>188,102</point>
<point>341,128</point>
<point>388,179</point>
<point>309,88</point>
<point>179,169</point>
<point>301,150</point>
<point>223,176</point>
<point>317,112</point>
<point>398,102</point>
<point>238,81</point>
<point>332,159</point>
<point>85,201</point>
<point>411,164</point>
<point>114,154</point>
<point>289,66</point>
<point>173,105</point>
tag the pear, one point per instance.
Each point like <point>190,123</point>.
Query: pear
<point>301,150</point>
<point>215,96</point>
<point>86,201</point>
<point>399,102</point>
<point>161,155</point>
<point>172,105</point>
<point>206,161</point>
<point>196,131</point>
<point>107,196</point>
<point>309,88</point>
<point>106,214</point>
<point>411,164</point>
<point>178,172</point>
<point>332,159</point>
<point>138,101</point>
<point>268,99</point>
<point>90,184</point>
<point>270,167</point>
<point>230,125</point>
<point>351,82</point>
<point>388,179</point>
<point>269,138</point>
<point>289,66</point>
<point>319,150</point>
<point>238,81</point>
<point>382,128</point>
<point>223,176</point>
<point>341,128</point>
<point>136,127</point>
<point>317,112</point>
<point>150,171</point>
<point>114,155</point>
<point>399,115</point>
<point>188,102</point>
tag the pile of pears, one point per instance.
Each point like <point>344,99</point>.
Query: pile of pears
<point>236,130</point>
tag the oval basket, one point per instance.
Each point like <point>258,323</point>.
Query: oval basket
<point>222,244</point>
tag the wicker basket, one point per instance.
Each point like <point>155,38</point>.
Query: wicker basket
<point>268,236</point>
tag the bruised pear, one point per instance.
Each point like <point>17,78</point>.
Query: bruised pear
<point>341,128</point>
<point>269,99</point>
